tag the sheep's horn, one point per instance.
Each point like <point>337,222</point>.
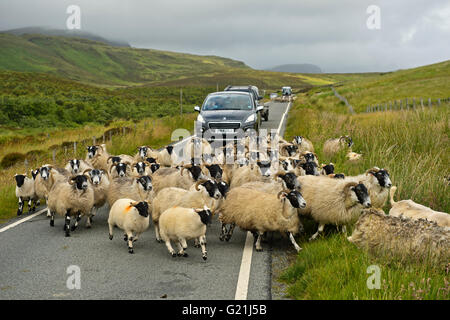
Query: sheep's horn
<point>186,166</point>
<point>279,173</point>
<point>71,182</point>
<point>87,170</point>
<point>282,191</point>
<point>199,182</point>
<point>133,203</point>
<point>373,170</point>
<point>111,167</point>
<point>348,186</point>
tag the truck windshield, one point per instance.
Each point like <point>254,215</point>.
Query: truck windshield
<point>228,102</point>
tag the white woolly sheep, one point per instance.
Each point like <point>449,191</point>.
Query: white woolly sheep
<point>288,180</point>
<point>75,166</point>
<point>72,198</point>
<point>100,184</point>
<point>138,189</point>
<point>413,210</point>
<point>97,157</point>
<point>333,146</point>
<point>171,177</point>
<point>402,238</point>
<point>180,224</point>
<point>130,216</point>
<point>257,211</point>
<point>333,201</point>
<point>303,144</point>
<point>245,174</point>
<point>25,192</point>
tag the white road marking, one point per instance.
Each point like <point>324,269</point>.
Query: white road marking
<point>12,225</point>
<point>246,262</point>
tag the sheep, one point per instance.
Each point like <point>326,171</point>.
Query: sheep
<point>145,152</point>
<point>136,188</point>
<point>171,177</point>
<point>180,224</point>
<point>122,169</point>
<point>100,184</point>
<point>288,150</point>
<point>258,211</point>
<point>307,168</point>
<point>97,157</point>
<point>303,144</point>
<point>75,166</point>
<point>333,146</point>
<point>413,210</point>
<point>71,198</point>
<point>142,168</point>
<point>251,173</point>
<point>130,216</point>
<point>196,147</point>
<point>353,156</point>
<point>214,171</point>
<point>327,169</point>
<point>169,197</point>
<point>337,176</point>
<point>164,156</point>
<point>402,238</point>
<point>377,182</point>
<point>289,181</point>
<point>333,201</point>
<point>25,192</point>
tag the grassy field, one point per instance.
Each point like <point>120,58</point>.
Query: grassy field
<point>414,146</point>
<point>425,82</point>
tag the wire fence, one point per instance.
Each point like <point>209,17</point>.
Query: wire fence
<point>407,104</point>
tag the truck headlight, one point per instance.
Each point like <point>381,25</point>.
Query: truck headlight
<point>251,118</point>
<point>200,118</point>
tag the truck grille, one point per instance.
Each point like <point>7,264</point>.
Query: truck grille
<point>224,125</point>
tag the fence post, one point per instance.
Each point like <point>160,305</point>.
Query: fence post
<point>439,102</point>
<point>75,149</point>
<point>26,164</point>
<point>65,152</point>
<point>54,155</point>
<point>414,103</point>
<point>181,101</point>
<point>110,137</point>
<point>94,140</point>
<point>429,102</point>
<point>421,102</point>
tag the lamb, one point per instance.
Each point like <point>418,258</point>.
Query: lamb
<point>333,146</point>
<point>250,173</point>
<point>138,189</point>
<point>180,224</point>
<point>72,198</point>
<point>377,182</point>
<point>209,195</point>
<point>257,211</point>
<point>25,192</point>
<point>415,211</point>
<point>340,202</point>
<point>100,184</point>
<point>76,166</point>
<point>130,216</point>
<point>97,157</point>
<point>303,144</point>
<point>402,238</point>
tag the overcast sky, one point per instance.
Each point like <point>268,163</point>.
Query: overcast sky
<point>329,33</point>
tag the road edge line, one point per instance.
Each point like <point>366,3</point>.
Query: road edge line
<point>14,224</point>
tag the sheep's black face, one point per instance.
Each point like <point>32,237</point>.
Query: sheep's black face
<point>285,165</point>
<point>296,199</point>
<point>205,216</point>
<point>291,150</point>
<point>154,167</point>
<point>298,139</point>
<point>151,160</point>
<point>142,208</point>
<point>349,142</point>
<point>140,167</point>
<point>121,169</point>
<point>169,149</point>
<point>310,168</point>
<point>383,178</point>
<point>75,165</point>
<point>291,181</point>
<point>362,194</point>
<point>264,167</point>
<point>20,179</point>
<point>212,189</point>
<point>196,172</point>
<point>329,168</point>
<point>81,182</point>
<point>146,183</point>
<point>215,171</point>
<point>92,150</point>
<point>309,157</point>
<point>223,188</point>
<point>96,176</point>
<point>45,173</point>
<point>116,159</point>
<point>35,173</point>
<point>339,176</point>
<point>143,152</point>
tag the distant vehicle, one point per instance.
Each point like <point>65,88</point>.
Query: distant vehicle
<point>286,91</point>
<point>273,95</point>
<point>255,92</point>
<point>227,111</point>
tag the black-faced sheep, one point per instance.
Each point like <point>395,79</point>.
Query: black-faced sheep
<point>333,146</point>
<point>25,192</point>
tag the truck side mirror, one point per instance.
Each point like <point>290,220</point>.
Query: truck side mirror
<point>197,108</point>
<point>259,108</point>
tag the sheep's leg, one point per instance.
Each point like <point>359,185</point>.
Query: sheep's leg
<point>344,229</point>
<point>319,230</point>
<point>223,232</point>
<point>258,242</point>
<point>296,246</point>
<point>33,209</point>
<point>20,209</point>
<point>75,225</point>
<point>196,243</point>
<point>158,236</point>
<point>88,221</point>
<point>184,243</point>
<point>230,232</point>
<point>67,223</point>
<point>111,226</point>
<point>52,219</point>
<point>49,214</point>
<point>130,242</point>
<point>181,252</point>
<point>169,247</point>
<point>203,245</point>
<point>29,205</point>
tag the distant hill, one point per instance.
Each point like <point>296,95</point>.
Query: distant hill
<point>103,64</point>
<point>297,68</point>
<point>66,33</point>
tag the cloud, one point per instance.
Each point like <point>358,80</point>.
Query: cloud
<point>332,34</point>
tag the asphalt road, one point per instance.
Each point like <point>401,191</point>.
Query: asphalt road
<point>35,259</point>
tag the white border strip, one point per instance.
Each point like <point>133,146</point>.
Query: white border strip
<point>12,225</point>
<point>246,262</point>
